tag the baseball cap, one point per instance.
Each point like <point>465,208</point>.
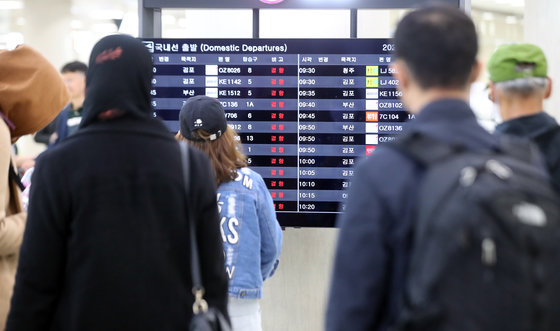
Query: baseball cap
<point>514,61</point>
<point>202,112</point>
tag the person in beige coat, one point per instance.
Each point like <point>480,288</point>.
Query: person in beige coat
<point>32,93</point>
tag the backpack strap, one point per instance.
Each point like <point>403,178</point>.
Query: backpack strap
<point>427,150</point>
<point>424,149</point>
<point>521,149</point>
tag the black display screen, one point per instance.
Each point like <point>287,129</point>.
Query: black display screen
<point>305,109</point>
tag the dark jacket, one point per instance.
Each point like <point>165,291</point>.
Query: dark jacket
<point>62,128</point>
<point>107,240</point>
<point>58,125</point>
<point>374,242</point>
<point>544,131</point>
<point>44,135</point>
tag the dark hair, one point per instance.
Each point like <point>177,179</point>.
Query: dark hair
<point>438,43</point>
<point>224,153</point>
<point>75,66</point>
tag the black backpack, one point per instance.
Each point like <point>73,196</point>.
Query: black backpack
<point>486,240</point>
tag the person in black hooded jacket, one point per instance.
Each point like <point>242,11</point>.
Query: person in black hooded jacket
<point>107,240</point>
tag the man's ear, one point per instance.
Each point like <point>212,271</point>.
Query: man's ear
<point>548,91</point>
<point>400,71</point>
<point>491,92</point>
<point>475,72</point>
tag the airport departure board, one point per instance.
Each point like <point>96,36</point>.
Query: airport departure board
<point>305,109</point>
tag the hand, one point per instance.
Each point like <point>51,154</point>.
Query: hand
<point>24,162</point>
<point>53,138</point>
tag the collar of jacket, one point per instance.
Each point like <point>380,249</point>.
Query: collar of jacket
<point>452,120</point>
<point>128,124</point>
<point>446,110</point>
<point>529,126</point>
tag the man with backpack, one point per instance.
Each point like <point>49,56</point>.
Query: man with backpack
<point>518,86</point>
<point>441,228</point>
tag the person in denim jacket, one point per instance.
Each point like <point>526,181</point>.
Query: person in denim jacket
<point>250,232</point>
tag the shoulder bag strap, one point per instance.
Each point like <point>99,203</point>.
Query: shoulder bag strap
<point>11,172</point>
<point>200,305</point>
<point>15,177</point>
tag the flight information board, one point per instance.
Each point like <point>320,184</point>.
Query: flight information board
<point>305,109</point>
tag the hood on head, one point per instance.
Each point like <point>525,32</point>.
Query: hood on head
<point>118,80</point>
<point>32,91</point>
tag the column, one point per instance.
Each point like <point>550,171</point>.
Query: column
<point>47,29</point>
<point>541,28</point>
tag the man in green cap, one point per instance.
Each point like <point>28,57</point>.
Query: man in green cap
<point>518,86</point>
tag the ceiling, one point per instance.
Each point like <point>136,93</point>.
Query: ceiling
<point>509,6</point>
<point>103,16</point>
<point>84,6</point>
<point>116,9</point>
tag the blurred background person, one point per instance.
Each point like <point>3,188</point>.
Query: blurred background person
<point>435,63</point>
<point>68,121</point>
<point>107,239</point>
<point>251,234</point>
<point>519,84</point>
<point>31,95</point>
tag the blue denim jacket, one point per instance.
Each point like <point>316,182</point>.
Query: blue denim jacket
<point>250,232</point>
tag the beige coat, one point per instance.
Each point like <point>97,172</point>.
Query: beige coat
<point>12,222</point>
<point>32,93</point>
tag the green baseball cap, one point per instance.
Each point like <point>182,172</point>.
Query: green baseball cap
<point>507,62</point>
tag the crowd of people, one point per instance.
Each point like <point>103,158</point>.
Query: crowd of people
<point>104,244</point>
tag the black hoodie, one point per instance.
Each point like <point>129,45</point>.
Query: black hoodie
<point>118,80</point>
<point>107,242</point>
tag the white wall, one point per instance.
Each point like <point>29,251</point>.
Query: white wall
<point>542,27</point>
<point>47,29</point>
<point>207,23</point>
<point>294,298</point>
<point>378,23</point>
<point>297,23</point>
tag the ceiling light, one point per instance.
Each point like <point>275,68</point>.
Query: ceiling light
<point>106,14</point>
<point>10,4</point>
<point>168,19</point>
<point>511,20</point>
<point>76,24</point>
<point>487,16</point>
<point>104,28</point>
